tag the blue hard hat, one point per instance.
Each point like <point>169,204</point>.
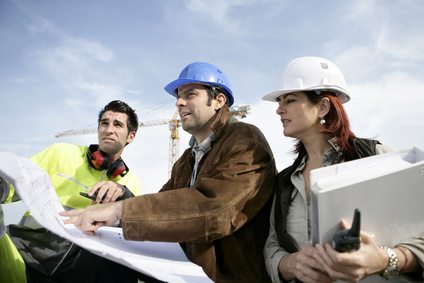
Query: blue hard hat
<point>204,73</point>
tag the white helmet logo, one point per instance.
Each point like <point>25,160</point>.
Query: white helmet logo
<point>324,65</point>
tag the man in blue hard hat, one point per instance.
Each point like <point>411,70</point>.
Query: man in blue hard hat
<point>217,201</point>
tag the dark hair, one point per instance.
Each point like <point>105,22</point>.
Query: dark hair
<point>213,92</point>
<point>336,122</point>
<point>122,107</point>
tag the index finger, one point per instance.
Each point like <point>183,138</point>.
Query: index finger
<point>72,214</point>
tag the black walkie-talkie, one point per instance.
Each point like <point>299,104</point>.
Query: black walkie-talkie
<point>349,239</point>
<point>94,196</point>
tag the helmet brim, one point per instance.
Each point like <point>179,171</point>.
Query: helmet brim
<point>342,94</point>
<point>173,86</point>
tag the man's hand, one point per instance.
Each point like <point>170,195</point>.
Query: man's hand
<point>93,217</point>
<point>111,192</point>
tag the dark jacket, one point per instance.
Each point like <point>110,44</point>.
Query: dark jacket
<point>223,221</point>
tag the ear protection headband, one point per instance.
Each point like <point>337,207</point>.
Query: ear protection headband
<point>99,160</point>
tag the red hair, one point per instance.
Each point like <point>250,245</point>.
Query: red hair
<point>336,122</point>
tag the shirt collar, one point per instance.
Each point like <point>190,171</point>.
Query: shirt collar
<point>332,154</point>
<point>204,145</point>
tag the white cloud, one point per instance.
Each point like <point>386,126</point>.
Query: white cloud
<point>226,15</point>
<point>402,45</point>
<point>387,108</point>
<point>40,25</point>
<point>217,10</point>
<point>74,59</point>
<point>80,50</point>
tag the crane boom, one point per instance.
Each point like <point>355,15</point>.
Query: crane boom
<point>94,130</point>
<point>174,124</point>
<point>239,111</point>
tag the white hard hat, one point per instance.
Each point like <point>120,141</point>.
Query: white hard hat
<point>310,73</point>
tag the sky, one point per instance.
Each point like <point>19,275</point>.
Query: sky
<point>62,61</point>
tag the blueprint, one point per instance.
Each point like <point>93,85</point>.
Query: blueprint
<point>163,261</point>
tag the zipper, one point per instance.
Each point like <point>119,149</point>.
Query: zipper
<point>74,180</point>
<point>61,260</point>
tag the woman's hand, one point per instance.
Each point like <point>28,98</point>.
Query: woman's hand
<point>304,266</point>
<point>356,265</point>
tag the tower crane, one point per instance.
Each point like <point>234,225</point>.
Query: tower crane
<point>174,139</point>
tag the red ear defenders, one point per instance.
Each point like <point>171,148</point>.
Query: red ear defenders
<point>98,160</point>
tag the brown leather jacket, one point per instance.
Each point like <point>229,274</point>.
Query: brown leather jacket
<point>223,222</point>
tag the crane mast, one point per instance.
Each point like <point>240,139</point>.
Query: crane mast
<point>174,141</point>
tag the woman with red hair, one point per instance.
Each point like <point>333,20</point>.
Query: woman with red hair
<point>310,92</point>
